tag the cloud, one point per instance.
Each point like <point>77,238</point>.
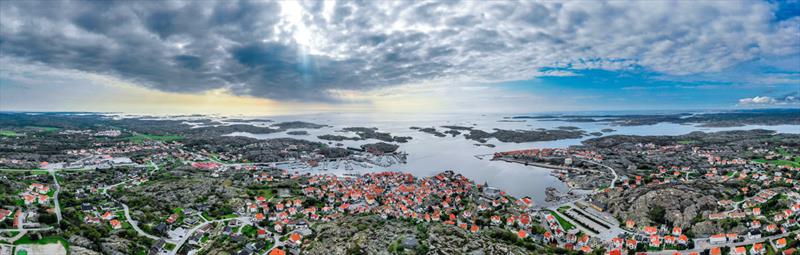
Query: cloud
<point>790,99</point>
<point>307,51</point>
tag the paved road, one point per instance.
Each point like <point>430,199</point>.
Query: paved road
<point>135,225</point>
<point>55,195</point>
<point>194,229</point>
<point>614,181</point>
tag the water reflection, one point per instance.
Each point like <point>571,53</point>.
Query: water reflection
<point>429,155</point>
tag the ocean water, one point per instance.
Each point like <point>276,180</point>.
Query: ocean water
<point>428,154</point>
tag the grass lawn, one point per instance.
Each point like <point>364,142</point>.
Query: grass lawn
<point>39,172</point>
<point>249,231</point>
<point>264,192</point>
<point>783,152</point>
<point>229,216</point>
<point>45,129</point>
<point>30,171</point>
<point>139,138</point>
<point>564,223</point>
<point>9,133</point>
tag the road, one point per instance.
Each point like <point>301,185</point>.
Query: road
<point>194,229</point>
<point>55,195</point>
<point>614,181</point>
<point>705,245</point>
<point>135,225</point>
<point>127,210</point>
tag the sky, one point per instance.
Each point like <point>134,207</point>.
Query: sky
<point>290,57</point>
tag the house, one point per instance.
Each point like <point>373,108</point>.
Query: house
<point>548,236</point>
<point>683,240</point>
<point>571,238</point>
<point>669,240</point>
<point>583,240</point>
<point>755,234</point>
<point>740,250</point>
<point>617,242</point>
<point>650,230</point>
<point>758,248</point>
<point>755,224</point>
<point>655,241</point>
<point>495,219</point>
<point>115,224</point>
<point>91,220</point>
<point>630,224</point>
<point>631,244</point>
<point>277,251</point>
<point>716,251</point>
<point>732,237</point>
<point>522,234</point>
<point>107,216</point>
<point>677,231</point>
<point>771,228</point>
<point>716,216</point>
<point>791,251</point>
<point>42,199</point>
<point>28,199</point>
<point>780,243</point>
<point>172,218</point>
<point>161,228</point>
<point>295,238</point>
<point>4,213</point>
<point>736,215</point>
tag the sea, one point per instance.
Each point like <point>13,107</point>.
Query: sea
<point>428,155</point>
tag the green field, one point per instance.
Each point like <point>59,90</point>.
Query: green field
<point>139,138</point>
<point>44,129</point>
<point>9,133</point>
<point>780,162</point>
<point>564,223</point>
<point>249,231</point>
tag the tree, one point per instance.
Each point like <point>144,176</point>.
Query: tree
<point>656,214</point>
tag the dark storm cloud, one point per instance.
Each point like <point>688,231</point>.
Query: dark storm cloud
<point>252,48</point>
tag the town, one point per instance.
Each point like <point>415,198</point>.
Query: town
<point>683,197</point>
<point>124,192</point>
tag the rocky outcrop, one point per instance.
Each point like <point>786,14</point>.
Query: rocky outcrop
<point>80,245</point>
<point>675,205</point>
<point>78,250</point>
<point>115,246</point>
<point>381,147</point>
<point>374,235</point>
